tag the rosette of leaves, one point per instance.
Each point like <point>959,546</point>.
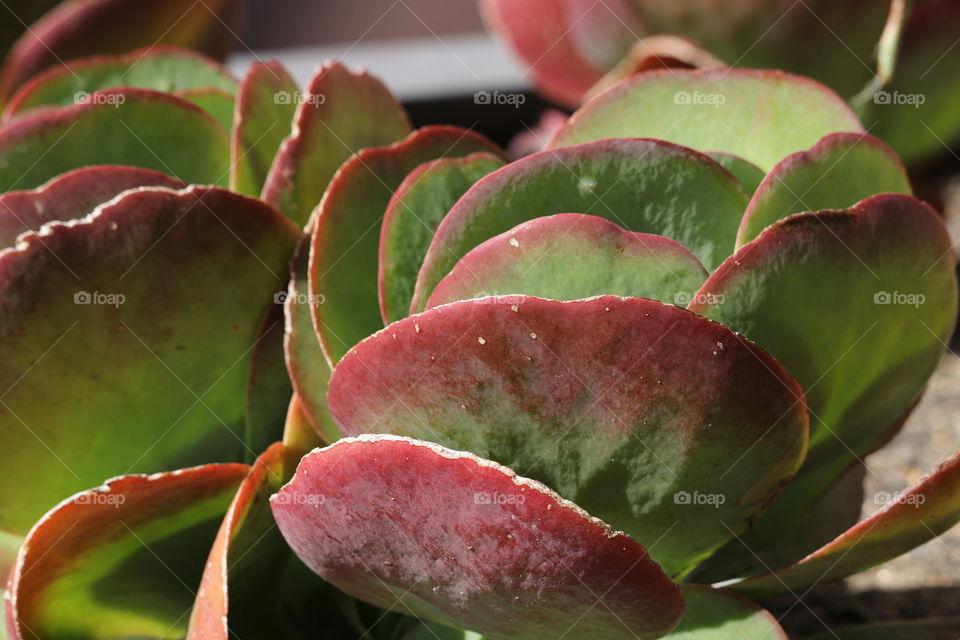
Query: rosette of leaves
<point>526,433</point>
<point>894,60</point>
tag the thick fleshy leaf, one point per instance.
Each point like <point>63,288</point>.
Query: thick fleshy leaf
<point>631,408</point>
<point>340,113</point>
<point>909,519</point>
<point>165,69</point>
<point>216,103</point>
<point>268,386</point>
<point>307,365</point>
<point>415,211</point>
<point>71,196</point>
<point>120,126</point>
<point>344,251</point>
<point>569,47</point>
<point>749,175</point>
<point>930,629</point>
<point>883,272</point>
<point>445,535</point>
<point>262,120</point>
<point>570,256</point>
<point>121,560</point>
<point>714,614</point>
<point>86,306</point>
<point>81,28</point>
<point>839,171</point>
<point>761,116</point>
<point>235,594</point>
<point>646,186</point>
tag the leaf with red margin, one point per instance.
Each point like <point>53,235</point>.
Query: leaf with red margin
<point>715,614</point>
<point>910,519</point>
<point>417,207</point>
<point>345,242</point>
<point>340,113</point>
<point>261,122</point>
<point>99,385</point>
<point>307,366</point>
<point>622,405</point>
<point>133,127</point>
<point>120,560</point>
<point>81,28</point>
<point>164,69</point>
<point>569,256</point>
<point>759,115</point>
<point>70,196</point>
<point>570,45</point>
<point>410,525</point>
<point>839,171</point>
<point>648,186</point>
<point>858,267</point>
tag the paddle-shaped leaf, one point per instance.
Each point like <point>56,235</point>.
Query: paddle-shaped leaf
<point>911,518</point>
<point>165,69</point>
<point>761,116</point>
<point>216,103</point>
<point>570,256</point>
<point>415,211</point>
<point>156,297</point>
<point>451,537</point>
<point>713,614</point>
<point>642,185</point>
<point>340,113</point>
<point>668,426</point>
<point>883,272</point>
<point>121,560</point>
<point>262,120</point>
<point>839,171</point>
<point>82,28</point>
<point>71,196</point>
<point>133,127</point>
<point>343,255</point>
<point>268,385</point>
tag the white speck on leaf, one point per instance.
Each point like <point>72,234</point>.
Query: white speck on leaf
<point>481,340</point>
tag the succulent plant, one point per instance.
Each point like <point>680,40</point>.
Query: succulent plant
<point>573,48</point>
<point>565,396</point>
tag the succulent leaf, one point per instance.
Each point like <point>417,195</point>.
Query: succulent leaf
<point>216,103</point>
<point>406,524</point>
<point>645,186</point>
<point>631,408</point>
<point>758,115</point>
<point>749,174</point>
<point>340,113</point>
<point>268,387</point>
<point>416,208</point>
<point>343,254</point>
<point>571,256</point>
<point>714,614</point>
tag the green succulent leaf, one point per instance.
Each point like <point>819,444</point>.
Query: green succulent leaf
<point>883,272</point>
<point>749,174</point>
<point>714,614</point>
<point>268,386</point>
<point>760,116</point>
<point>121,560</point>
<point>80,29</point>
<point>164,69</point>
<point>70,196</point>
<point>570,256</point>
<point>127,337</point>
<point>668,426</point>
<point>263,120</point>
<point>839,171</point>
<point>373,515</point>
<point>343,256</point>
<point>415,211</point>
<point>645,186</point>
<point>911,518</point>
<point>133,127</point>
<point>340,113</point>
<point>307,365</point>
<point>216,103</point>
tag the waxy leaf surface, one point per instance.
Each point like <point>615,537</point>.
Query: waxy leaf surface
<point>668,426</point>
<point>447,536</point>
<point>713,614</point>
